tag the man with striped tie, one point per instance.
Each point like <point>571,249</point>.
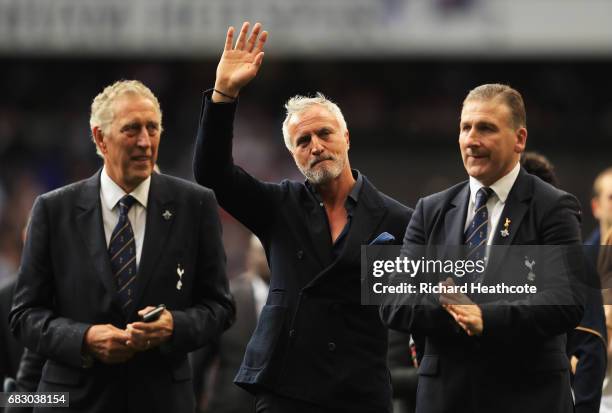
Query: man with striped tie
<point>102,252</point>
<point>501,356</point>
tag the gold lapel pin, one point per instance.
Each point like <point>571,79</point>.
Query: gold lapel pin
<point>506,231</point>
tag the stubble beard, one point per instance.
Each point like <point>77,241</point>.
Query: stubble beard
<point>323,173</point>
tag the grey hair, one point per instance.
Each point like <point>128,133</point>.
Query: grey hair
<point>299,103</point>
<point>102,106</point>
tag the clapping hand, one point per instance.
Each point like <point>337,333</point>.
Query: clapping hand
<point>465,312</point>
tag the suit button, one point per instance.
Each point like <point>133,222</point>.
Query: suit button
<point>291,333</point>
<point>331,346</point>
<point>300,254</point>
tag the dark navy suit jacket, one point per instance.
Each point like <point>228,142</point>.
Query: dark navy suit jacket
<point>519,363</point>
<point>65,285</point>
<point>314,340</point>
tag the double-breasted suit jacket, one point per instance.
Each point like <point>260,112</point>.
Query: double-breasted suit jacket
<point>314,340</point>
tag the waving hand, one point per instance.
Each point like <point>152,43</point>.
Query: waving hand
<point>239,63</point>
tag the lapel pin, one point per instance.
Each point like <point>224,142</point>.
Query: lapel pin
<point>167,215</point>
<point>506,231</point>
<point>529,264</point>
<point>179,272</point>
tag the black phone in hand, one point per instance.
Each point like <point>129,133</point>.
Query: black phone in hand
<point>154,314</point>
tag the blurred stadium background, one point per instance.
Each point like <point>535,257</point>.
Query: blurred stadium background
<point>399,70</point>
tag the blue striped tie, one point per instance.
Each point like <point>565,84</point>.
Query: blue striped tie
<point>122,252</point>
<point>477,233</point>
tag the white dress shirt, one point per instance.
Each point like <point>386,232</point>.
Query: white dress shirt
<point>110,194</point>
<point>496,202</point>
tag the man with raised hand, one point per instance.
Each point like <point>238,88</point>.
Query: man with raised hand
<point>315,347</point>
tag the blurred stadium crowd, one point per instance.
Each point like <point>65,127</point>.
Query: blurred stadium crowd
<point>402,115</point>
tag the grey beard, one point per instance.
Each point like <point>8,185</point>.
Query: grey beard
<point>323,175</point>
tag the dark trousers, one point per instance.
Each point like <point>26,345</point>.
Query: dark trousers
<point>274,403</point>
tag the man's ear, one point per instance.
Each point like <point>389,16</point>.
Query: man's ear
<point>595,208</point>
<point>521,140</point>
<point>98,136</point>
<point>348,139</point>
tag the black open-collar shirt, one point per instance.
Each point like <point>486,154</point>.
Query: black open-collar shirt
<point>350,204</point>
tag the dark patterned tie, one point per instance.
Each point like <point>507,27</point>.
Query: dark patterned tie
<point>122,252</point>
<point>477,233</point>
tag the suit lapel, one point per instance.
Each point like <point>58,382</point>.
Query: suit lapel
<point>367,216</point>
<point>515,208</point>
<point>454,219</point>
<point>90,226</point>
<point>161,213</point>
<point>454,224</point>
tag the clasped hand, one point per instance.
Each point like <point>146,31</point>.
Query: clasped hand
<point>465,312</point>
<point>110,344</point>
